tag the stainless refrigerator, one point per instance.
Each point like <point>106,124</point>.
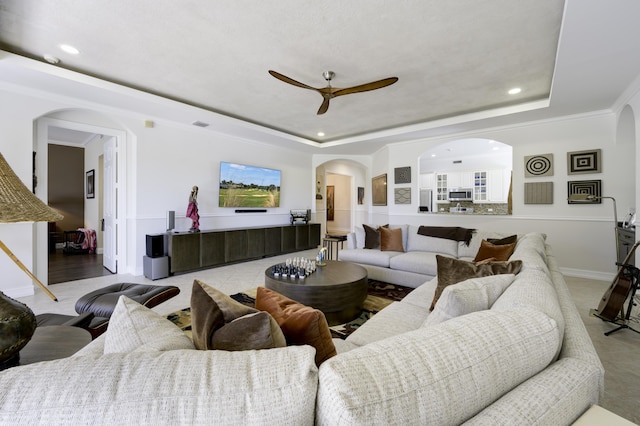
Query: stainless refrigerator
<point>426,200</point>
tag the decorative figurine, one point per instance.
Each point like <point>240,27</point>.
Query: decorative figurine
<point>192,210</point>
<point>321,260</point>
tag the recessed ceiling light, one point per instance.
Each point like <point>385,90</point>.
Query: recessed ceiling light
<point>495,148</point>
<point>321,134</point>
<point>433,155</point>
<point>515,91</point>
<point>69,49</point>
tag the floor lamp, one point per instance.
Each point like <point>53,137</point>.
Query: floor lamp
<point>19,204</point>
<point>590,198</point>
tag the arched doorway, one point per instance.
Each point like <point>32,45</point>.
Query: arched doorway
<point>114,249</point>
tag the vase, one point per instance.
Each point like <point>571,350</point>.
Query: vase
<point>17,325</point>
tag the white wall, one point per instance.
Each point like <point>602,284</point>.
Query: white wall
<point>165,161</point>
<point>582,236</point>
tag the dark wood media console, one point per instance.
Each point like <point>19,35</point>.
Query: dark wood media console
<point>189,251</point>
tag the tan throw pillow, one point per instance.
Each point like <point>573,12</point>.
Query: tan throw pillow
<point>214,312</point>
<point>497,252</point>
<point>453,271</point>
<point>301,325</point>
<point>391,239</point>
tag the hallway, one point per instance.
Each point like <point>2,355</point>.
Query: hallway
<point>71,267</point>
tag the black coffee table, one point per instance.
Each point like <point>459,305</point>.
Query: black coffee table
<point>337,289</point>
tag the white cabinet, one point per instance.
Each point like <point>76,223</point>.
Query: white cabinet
<point>480,187</point>
<point>466,180</point>
<point>491,186</point>
<point>442,188</point>
<point>496,192</point>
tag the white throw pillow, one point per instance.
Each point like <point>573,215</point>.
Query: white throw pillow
<point>472,295</point>
<point>136,328</point>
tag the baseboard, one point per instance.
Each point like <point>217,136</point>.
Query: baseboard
<point>592,275</point>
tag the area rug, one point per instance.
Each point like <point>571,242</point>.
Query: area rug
<point>379,295</point>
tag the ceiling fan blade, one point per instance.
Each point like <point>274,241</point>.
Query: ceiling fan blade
<point>290,80</point>
<point>366,87</point>
<point>325,105</point>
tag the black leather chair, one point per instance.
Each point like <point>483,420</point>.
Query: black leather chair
<point>95,308</point>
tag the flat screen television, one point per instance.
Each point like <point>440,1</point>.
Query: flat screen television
<point>248,186</point>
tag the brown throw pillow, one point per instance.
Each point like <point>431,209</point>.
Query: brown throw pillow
<point>252,331</point>
<point>506,240</point>
<point>371,237</point>
<point>452,271</point>
<point>499,253</point>
<point>301,325</point>
<point>213,311</point>
<point>391,239</point>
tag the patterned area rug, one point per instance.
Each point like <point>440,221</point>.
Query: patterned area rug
<point>380,295</point>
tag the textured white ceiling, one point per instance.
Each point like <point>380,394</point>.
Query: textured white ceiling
<point>452,57</point>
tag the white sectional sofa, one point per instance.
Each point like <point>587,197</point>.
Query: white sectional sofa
<point>417,264</point>
<point>501,350</point>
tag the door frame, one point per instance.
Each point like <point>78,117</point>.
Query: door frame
<point>41,143</point>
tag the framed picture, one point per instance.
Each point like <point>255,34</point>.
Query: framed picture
<point>330,201</point>
<point>585,187</point>
<point>379,189</point>
<point>402,174</point>
<point>360,195</point>
<point>579,162</point>
<point>91,180</point>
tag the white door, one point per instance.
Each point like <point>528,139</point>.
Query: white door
<point>110,193</point>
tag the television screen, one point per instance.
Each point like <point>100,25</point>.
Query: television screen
<point>248,186</point>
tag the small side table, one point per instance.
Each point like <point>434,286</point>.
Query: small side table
<point>331,242</point>
<point>54,342</point>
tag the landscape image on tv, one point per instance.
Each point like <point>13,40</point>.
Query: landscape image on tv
<point>248,186</point>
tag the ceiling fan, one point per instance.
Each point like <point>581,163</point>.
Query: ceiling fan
<point>331,92</point>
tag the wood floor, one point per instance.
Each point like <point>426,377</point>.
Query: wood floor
<point>71,267</point>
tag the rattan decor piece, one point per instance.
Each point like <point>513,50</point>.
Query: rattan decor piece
<point>18,203</point>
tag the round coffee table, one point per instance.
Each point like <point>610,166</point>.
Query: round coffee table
<point>337,289</point>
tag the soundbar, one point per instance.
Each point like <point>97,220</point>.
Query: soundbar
<point>251,211</point>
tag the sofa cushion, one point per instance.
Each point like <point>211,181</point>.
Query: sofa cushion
<point>181,387</point>
<point>134,327</point>
<point>498,252</point>
<point>368,257</point>
<point>417,242</point>
<point>394,319</point>
<point>430,375</point>
<point>420,262</point>
<point>472,295</point>
<point>453,271</point>
<point>391,239</point>
<point>214,312</point>
<point>422,295</point>
<point>301,325</point>
<point>532,289</point>
<point>531,249</point>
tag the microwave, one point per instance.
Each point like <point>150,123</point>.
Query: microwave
<point>461,195</point>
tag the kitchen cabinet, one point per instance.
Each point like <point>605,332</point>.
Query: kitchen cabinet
<point>442,188</point>
<point>490,186</point>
